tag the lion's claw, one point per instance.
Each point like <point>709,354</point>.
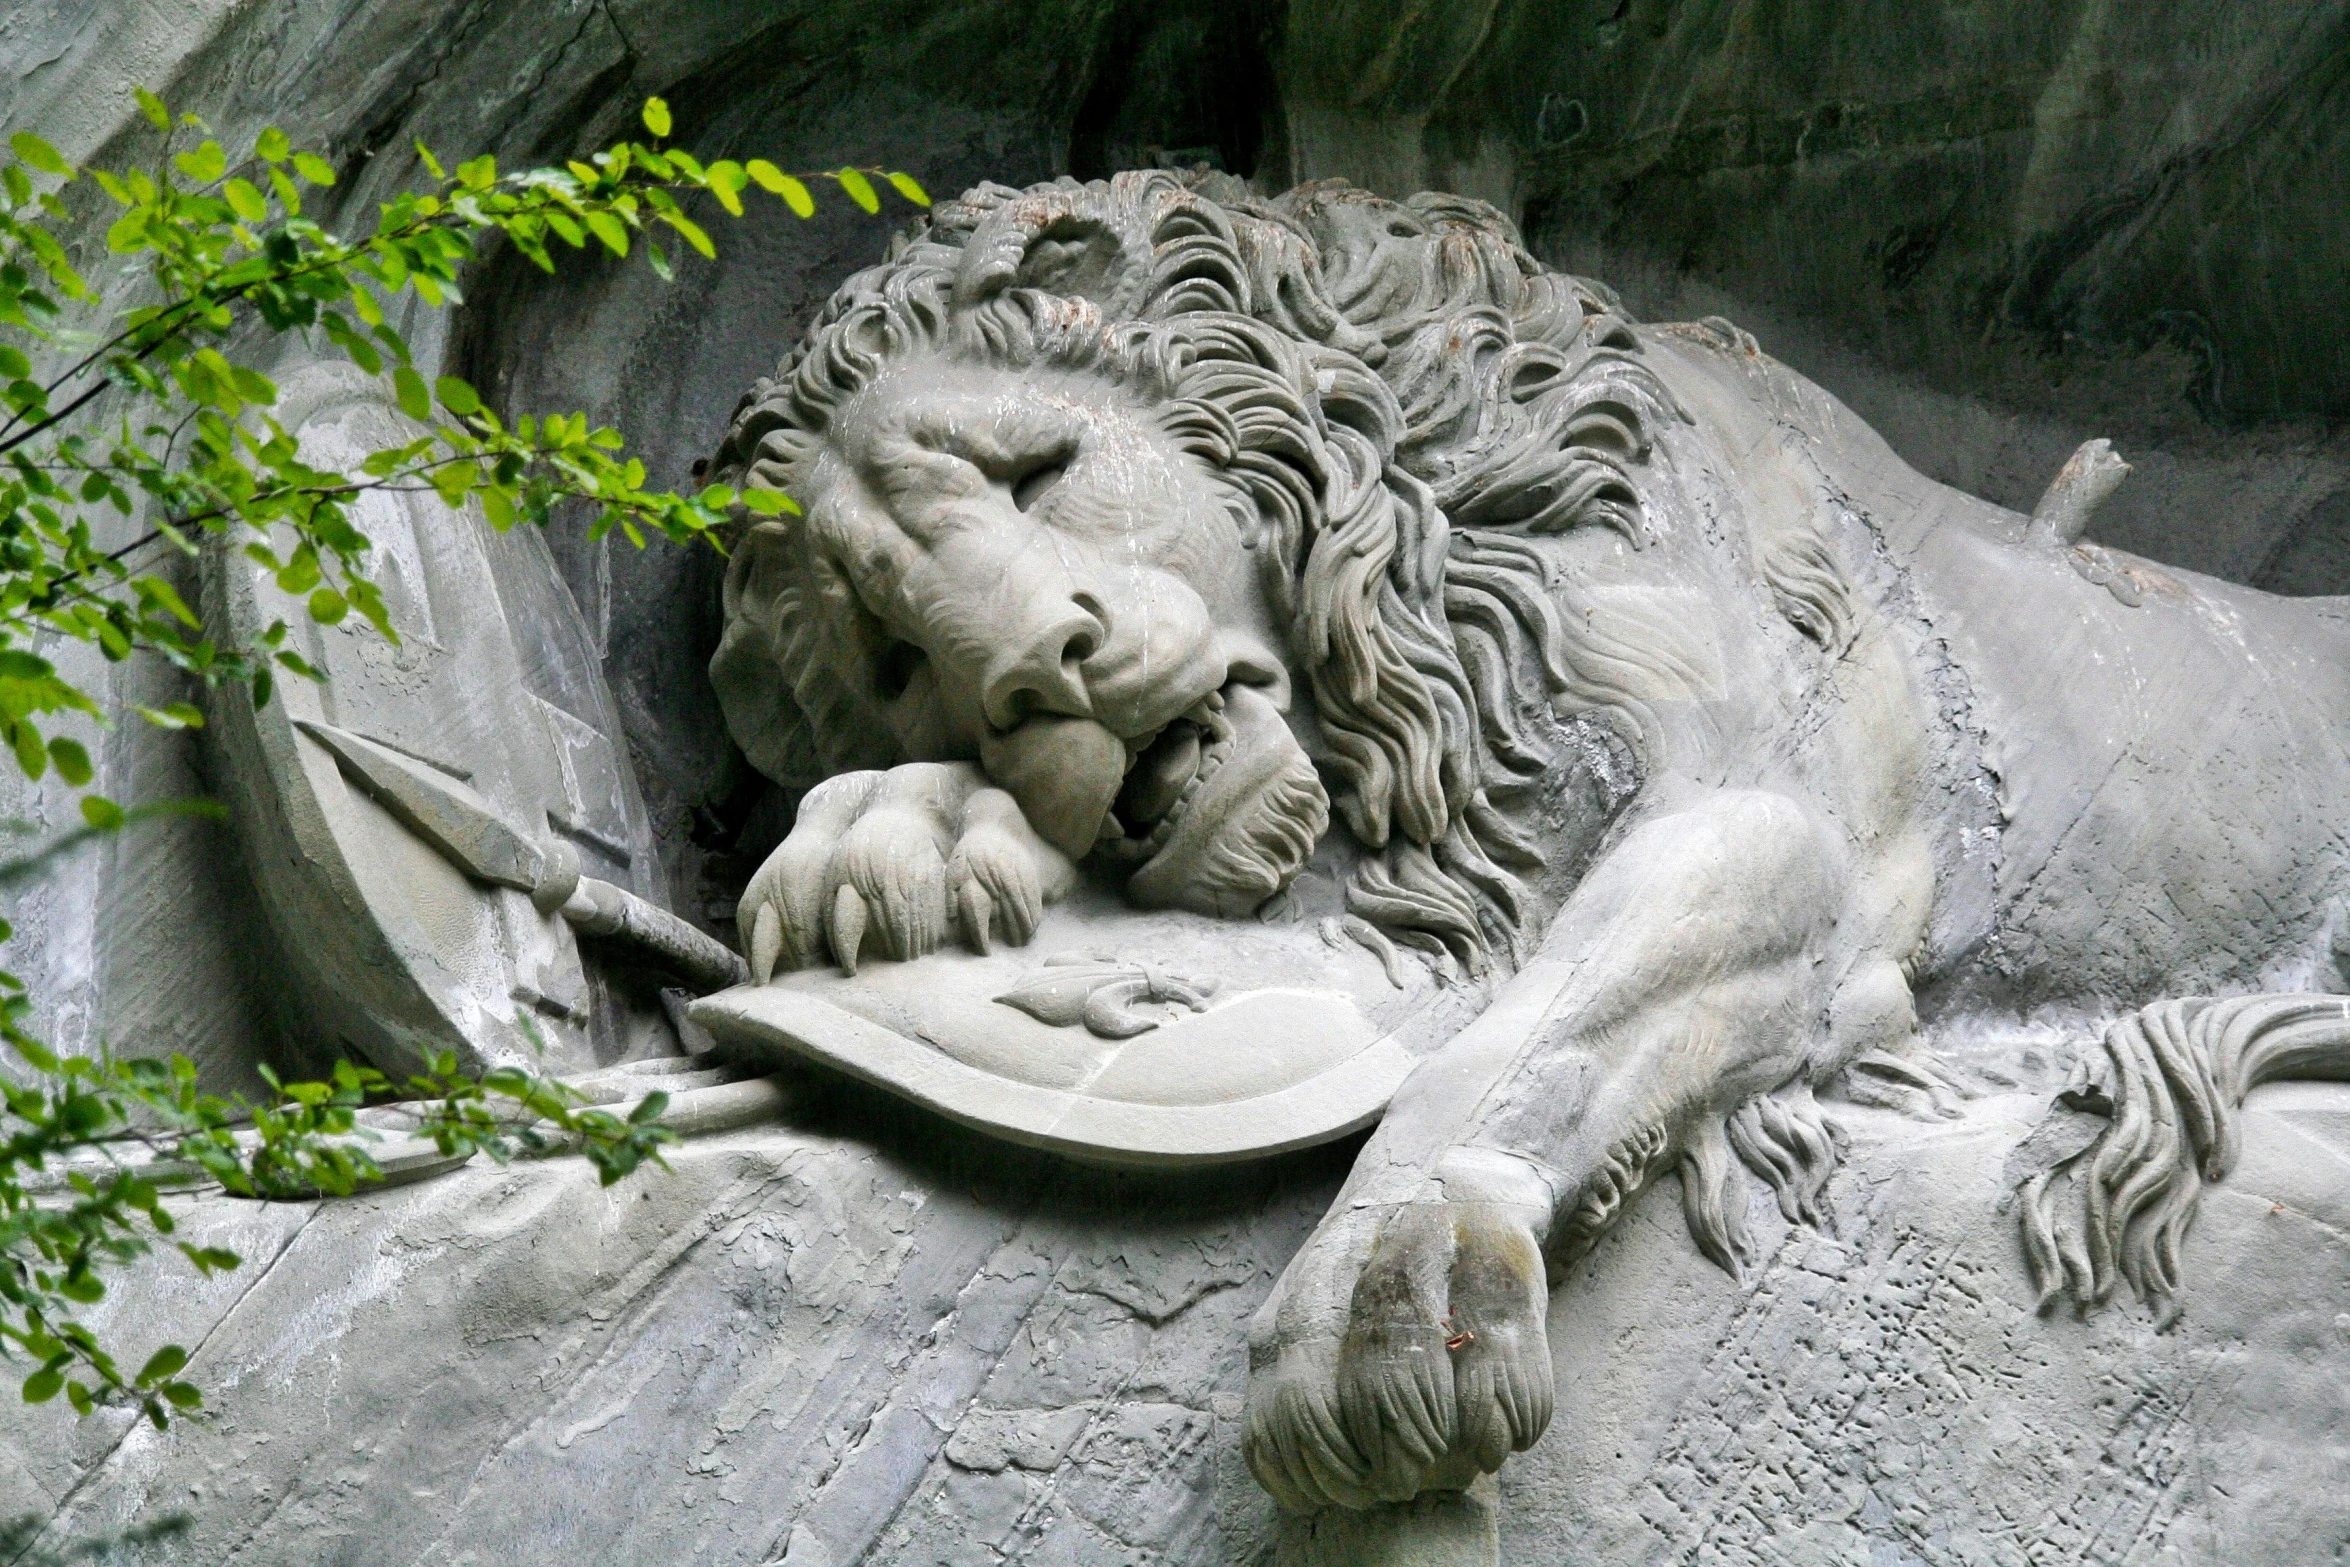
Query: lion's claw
<point>848,927</point>
<point>903,860</point>
<point>1404,1352</point>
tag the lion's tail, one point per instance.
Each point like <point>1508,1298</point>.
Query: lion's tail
<point>2170,1079</point>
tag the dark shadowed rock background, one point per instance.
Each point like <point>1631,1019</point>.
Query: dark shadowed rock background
<point>1994,228</point>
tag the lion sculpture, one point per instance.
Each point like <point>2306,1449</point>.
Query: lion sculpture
<point>1156,525</point>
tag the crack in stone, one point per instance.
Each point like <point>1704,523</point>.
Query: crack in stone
<point>130,1427</point>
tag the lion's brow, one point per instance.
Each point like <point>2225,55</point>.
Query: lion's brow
<point>1005,437</point>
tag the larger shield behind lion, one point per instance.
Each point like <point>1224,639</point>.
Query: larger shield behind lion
<point>387,949</point>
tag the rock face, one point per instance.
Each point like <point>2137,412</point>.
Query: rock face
<point>1995,235</point>
<point>852,1338</point>
<point>858,1336</point>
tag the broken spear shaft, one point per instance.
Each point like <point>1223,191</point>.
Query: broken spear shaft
<point>472,836</point>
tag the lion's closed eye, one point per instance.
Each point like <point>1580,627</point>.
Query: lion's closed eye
<point>1030,487</point>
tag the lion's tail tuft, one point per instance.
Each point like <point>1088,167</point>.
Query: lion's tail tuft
<point>2169,1078</point>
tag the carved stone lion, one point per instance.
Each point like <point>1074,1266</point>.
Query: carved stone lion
<point>1151,527</point>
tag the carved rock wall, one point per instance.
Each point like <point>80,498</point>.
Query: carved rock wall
<point>853,1338</point>
<point>1994,233</point>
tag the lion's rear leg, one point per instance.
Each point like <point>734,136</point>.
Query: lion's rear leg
<point>2170,1079</point>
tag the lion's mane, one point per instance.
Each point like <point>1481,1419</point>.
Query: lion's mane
<point>1391,392</point>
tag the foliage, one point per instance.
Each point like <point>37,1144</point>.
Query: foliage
<point>75,1122</point>
<point>131,432</point>
<point>20,1541</point>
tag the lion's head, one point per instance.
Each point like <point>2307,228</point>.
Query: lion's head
<point>1190,515</point>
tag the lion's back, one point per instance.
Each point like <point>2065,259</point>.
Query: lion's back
<point>2166,755</point>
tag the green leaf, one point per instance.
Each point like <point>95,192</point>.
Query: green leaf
<point>101,813</point>
<point>86,1288</point>
<point>30,755</point>
<point>211,1259</point>
<point>415,402</point>
<point>181,715</point>
<point>39,154</point>
<point>649,1108</point>
<point>860,189</point>
<point>73,763</point>
<point>658,259</point>
<point>693,233</point>
<point>316,169</point>
<point>253,386</point>
<point>727,180</point>
<point>271,146</point>
<point>327,606</point>
<point>162,595</point>
<point>770,178</point>
<point>478,173</point>
<point>770,503</point>
<point>497,502</point>
<point>13,364</point>
<point>245,200</point>
<point>906,186</point>
<point>174,715</point>
<point>656,116</point>
<point>610,230</point>
<point>43,1386</point>
<point>457,396</point>
<point>182,1395</point>
<point>152,107</point>
<point>453,482</point>
<point>165,1362</point>
<point>203,164</point>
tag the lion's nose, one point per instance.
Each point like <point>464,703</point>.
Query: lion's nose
<point>1045,673</point>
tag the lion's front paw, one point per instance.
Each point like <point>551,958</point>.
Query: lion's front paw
<point>899,859</point>
<point>1406,1353</point>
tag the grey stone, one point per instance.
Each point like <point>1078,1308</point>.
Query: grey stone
<point>415,823</point>
<point>849,1334</point>
<point>1953,274</point>
<point>1992,235</point>
<point>1087,473</point>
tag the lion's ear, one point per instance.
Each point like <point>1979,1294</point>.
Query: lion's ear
<point>1073,256</point>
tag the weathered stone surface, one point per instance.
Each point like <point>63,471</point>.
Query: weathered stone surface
<point>1994,235</point>
<point>854,1338</point>
<point>1888,1393</point>
<point>1995,232</point>
<point>1268,553</point>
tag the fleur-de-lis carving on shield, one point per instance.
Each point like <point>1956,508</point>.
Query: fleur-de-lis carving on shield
<point>1103,994</point>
